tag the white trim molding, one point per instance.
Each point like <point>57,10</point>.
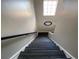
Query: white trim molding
<point>15,56</point>
<point>65,51</point>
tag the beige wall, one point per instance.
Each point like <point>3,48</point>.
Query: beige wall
<point>40,19</point>
<point>66,33</point>
<point>18,17</point>
<point>66,23</point>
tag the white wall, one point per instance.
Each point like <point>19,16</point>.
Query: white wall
<point>66,33</point>
<point>40,19</point>
<point>18,17</point>
<point>12,47</point>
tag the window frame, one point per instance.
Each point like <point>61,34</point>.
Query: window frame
<point>48,6</point>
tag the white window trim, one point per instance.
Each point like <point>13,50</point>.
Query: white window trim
<point>47,9</point>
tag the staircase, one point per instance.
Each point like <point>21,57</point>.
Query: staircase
<point>42,48</point>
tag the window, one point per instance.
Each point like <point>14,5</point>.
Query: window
<point>49,7</point>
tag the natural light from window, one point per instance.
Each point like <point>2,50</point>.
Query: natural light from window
<point>49,7</point>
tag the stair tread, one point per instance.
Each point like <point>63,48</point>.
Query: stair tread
<point>40,57</point>
<point>42,48</point>
<point>37,50</point>
<point>54,53</point>
<point>42,43</point>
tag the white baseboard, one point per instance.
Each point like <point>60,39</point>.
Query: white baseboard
<point>65,51</point>
<point>14,56</point>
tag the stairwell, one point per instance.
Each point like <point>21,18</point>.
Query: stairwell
<point>42,48</point>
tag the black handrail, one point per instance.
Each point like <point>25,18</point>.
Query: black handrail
<point>8,37</point>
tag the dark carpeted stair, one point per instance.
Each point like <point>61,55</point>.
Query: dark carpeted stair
<point>42,48</point>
